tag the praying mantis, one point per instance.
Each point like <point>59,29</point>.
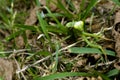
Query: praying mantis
<point>79,25</point>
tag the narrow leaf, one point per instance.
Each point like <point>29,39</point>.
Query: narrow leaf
<point>112,72</point>
<point>84,50</point>
<point>89,7</point>
<point>63,75</point>
<point>116,2</point>
<point>14,35</point>
<point>26,27</point>
<point>43,25</point>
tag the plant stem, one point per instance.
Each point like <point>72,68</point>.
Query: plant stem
<point>91,35</point>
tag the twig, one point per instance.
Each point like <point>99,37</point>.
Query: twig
<point>18,66</point>
<point>39,61</point>
<point>101,64</point>
<point>14,51</point>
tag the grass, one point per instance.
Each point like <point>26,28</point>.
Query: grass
<point>53,54</point>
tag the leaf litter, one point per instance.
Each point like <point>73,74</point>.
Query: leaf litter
<point>7,69</point>
<point>75,62</point>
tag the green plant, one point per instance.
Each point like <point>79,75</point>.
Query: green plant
<point>80,27</point>
<point>62,75</point>
<point>85,50</point>
<point>1,78</point>
<point>116,2</point>
<point>56,30</point>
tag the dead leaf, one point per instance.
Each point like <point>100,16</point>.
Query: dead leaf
<point>107,4</point>
<point>81,62</point>
<point>89,78</point>
<point>99,78</point>
<point>3,33</point>
<point>116,33</point>
<point>96,27</point>
<point>117,65</point>
<point>7,69</point>
<point>117,17</point>
<point>31,20</point>
<point>83,78</point>
<point>19,42</point>
<point>77,3</point>
<point>52,5</point>
<point>32,17</point>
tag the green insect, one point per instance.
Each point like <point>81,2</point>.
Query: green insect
<point>79,25</point>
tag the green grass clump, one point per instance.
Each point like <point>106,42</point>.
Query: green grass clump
<point>54,44</point>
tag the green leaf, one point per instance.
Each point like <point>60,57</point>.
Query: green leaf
<point>4,17</point>
<point>84,50</point>
<point>54,14</point>
<point>116,2</point>
<point>63,8</point>
<point>26,27</point>
<point>50,13</point>
<point>63,75</point>
<point>43,25</point>
<point>13,35</point>
<point>59,30</point>
<point>89,7</point>
<point>38,3</point>
<point>71,5</point>
<point>104,77</point>
<point>59,25</point>
<point>112,72</point>
<point>56,57</point>
<point>43,53</point>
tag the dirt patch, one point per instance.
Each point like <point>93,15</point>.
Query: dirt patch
<point>7,69</point>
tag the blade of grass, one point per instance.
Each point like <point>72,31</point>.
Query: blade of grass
<point>2,26</point>
<point>63,75</point>
<point>104,77</point>
<point>71,5</point>
<point>113,72</point>
<point>35,28</point>
<point>89,7</point>
<point>63,8</point>
<point>116,2</point>
<point>43,53</point>
<point>82,5</point>
<point>13,35</point>
<point>5,18</point>
<point>50,13</point>
<point>38,3</point>
<point>84,50</point>
<point>56,57</point>
<point>43,25</point>
<point>26,27</point>
<point>3,4</point>
<point>57,30</point>
<point>57,21</point>
<point>55,15</point>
